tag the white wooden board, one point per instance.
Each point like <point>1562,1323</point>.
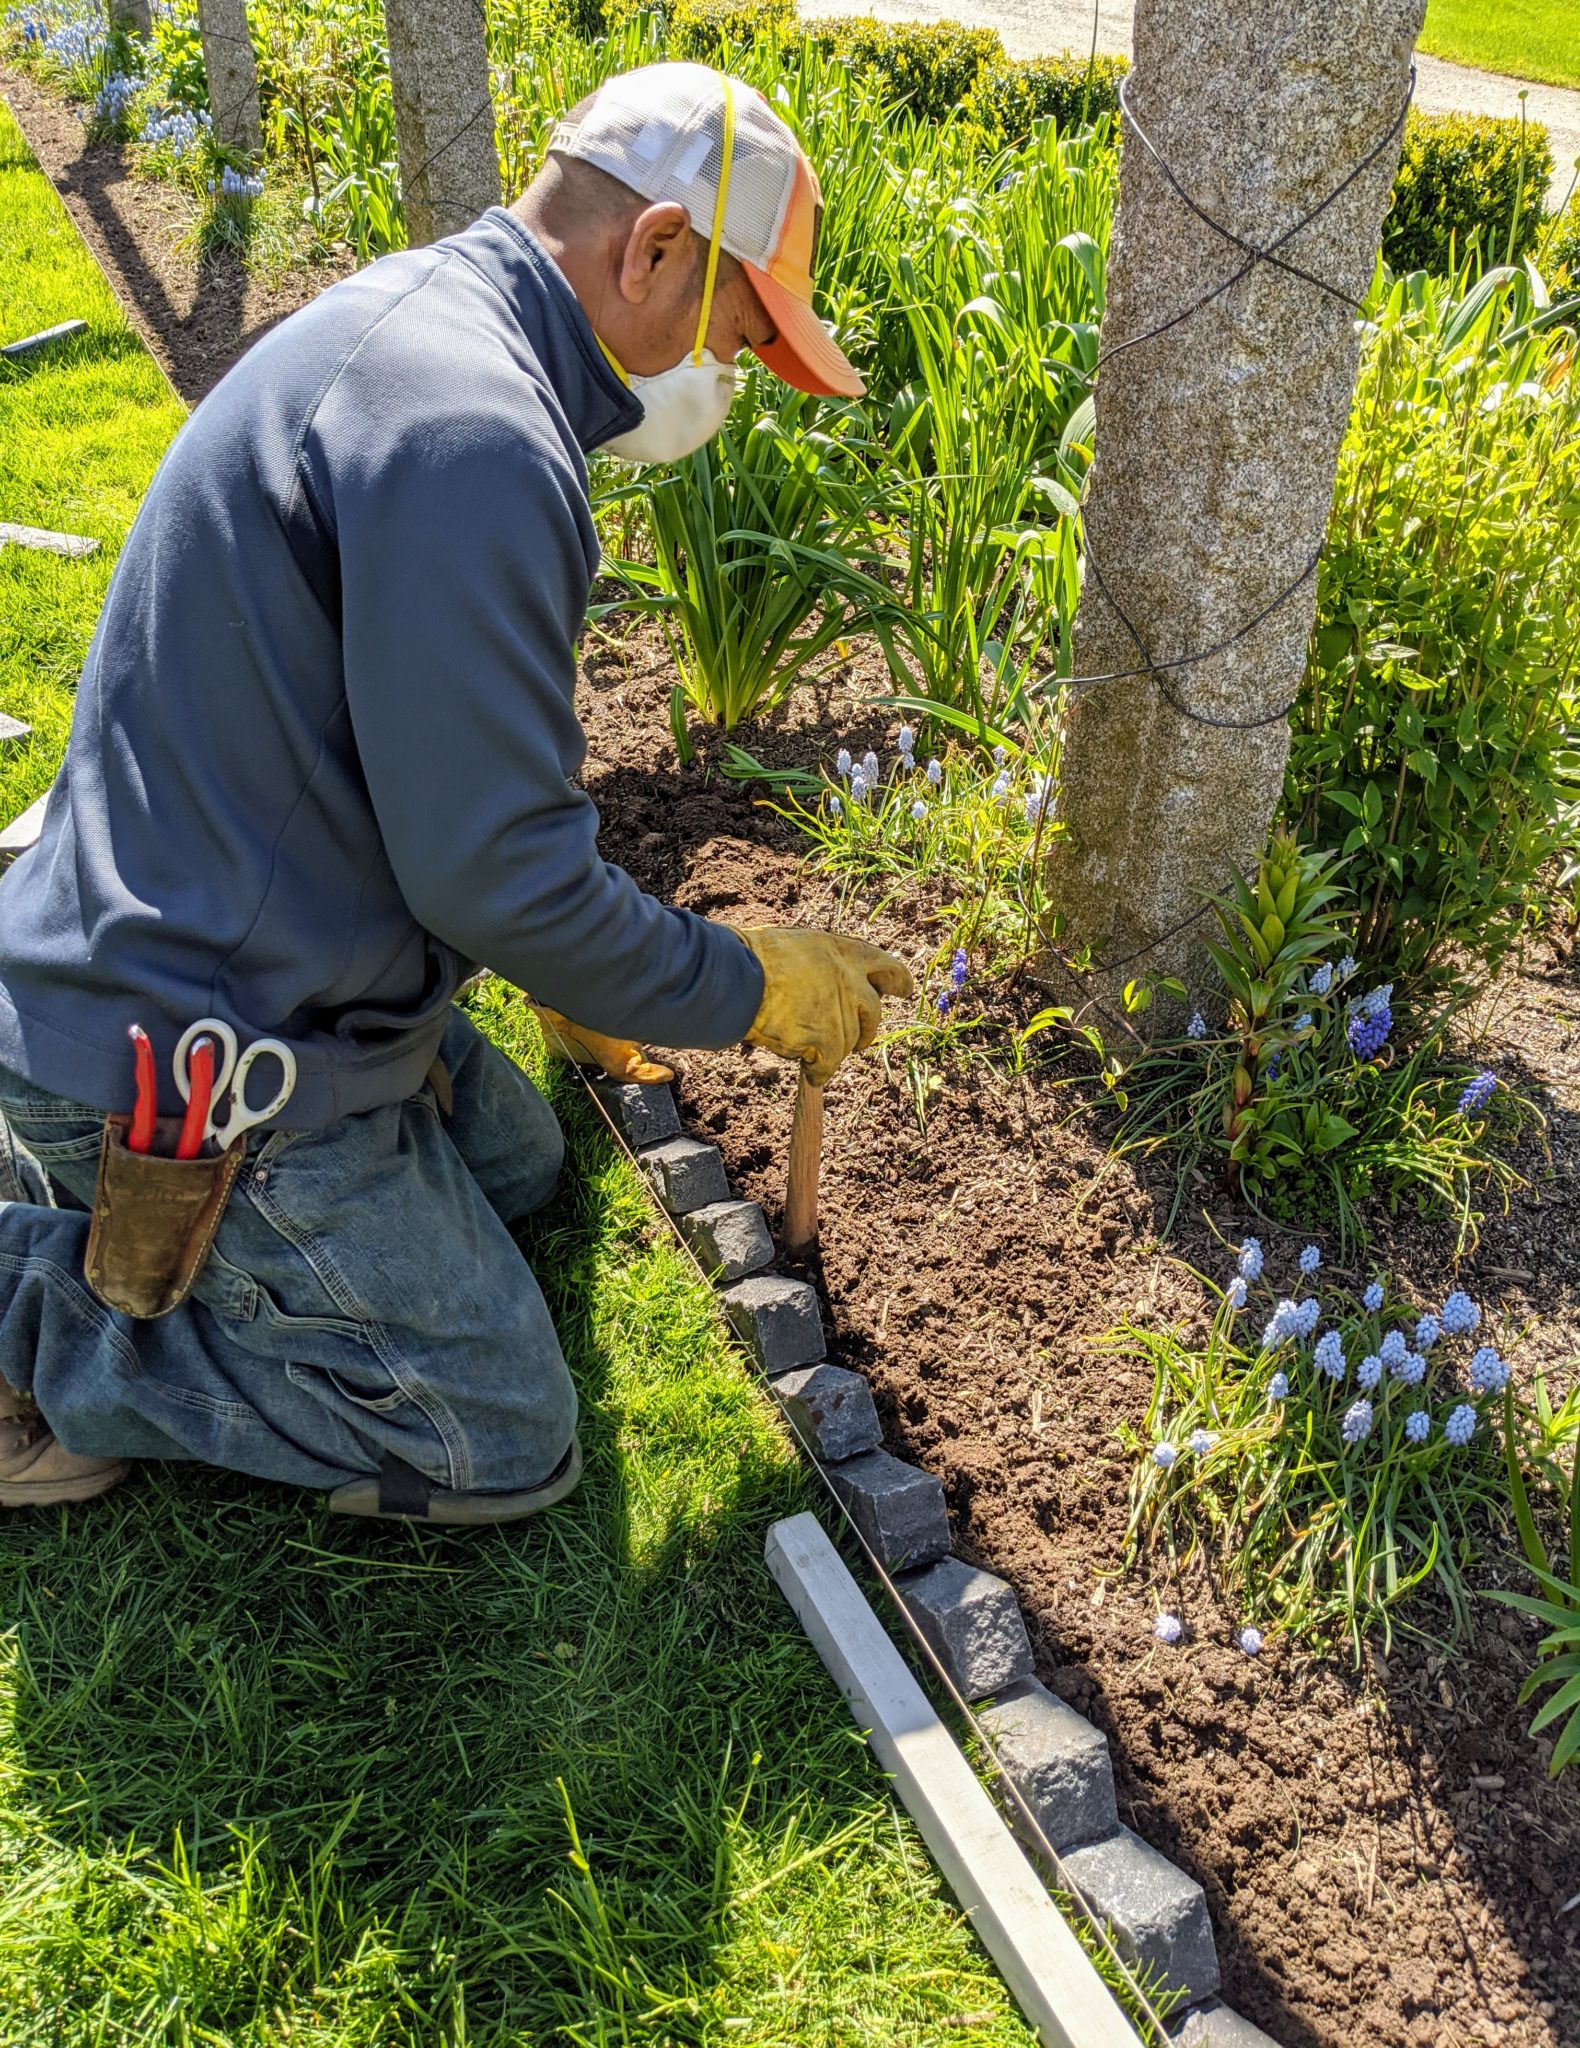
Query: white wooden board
<point>1045,1967</point>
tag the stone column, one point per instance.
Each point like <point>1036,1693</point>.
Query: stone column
<point>444,117</point>
<point>232,74</point>
<point>1216,447</point>
<point>136,15</point>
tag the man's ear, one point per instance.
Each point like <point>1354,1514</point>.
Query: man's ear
<point>659,241</point>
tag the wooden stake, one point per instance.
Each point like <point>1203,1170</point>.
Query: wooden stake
<point>806,1156</point>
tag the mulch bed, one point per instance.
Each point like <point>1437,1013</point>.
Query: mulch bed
<point>196,318</point>
<point>1385,1858</point>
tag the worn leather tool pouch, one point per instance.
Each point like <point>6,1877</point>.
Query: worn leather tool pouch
<point>154,1220</point>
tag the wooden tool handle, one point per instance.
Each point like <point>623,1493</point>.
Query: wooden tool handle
<point>806,1156</point>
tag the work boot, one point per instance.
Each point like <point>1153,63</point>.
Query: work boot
<point>36,1469</point>
<point>401,1494</point>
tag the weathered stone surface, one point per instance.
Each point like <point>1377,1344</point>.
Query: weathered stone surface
<point>899,1510</point>
<point>74,544</point>
<point>1058,1762</point>
<point>642,1112</point>
<point>232,74</point>
<point>777,1320</point>
<point>974,1624</point>
<point>1216,2025</point>
<point>685,1174</point>
<point>137,15</point>
<point>1216,445</point>
<point>13,728</point>
<point>728,1240</point>
<point>1158,1914</point>
<point>831,1409</point>
<point>444,116</point>
<point>23,831</point>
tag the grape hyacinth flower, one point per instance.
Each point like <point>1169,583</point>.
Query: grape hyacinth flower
<point>1278,1387</point>
<point>1250,1260</point>
<point>1357,1424</point>
<point>1393,1348</point>
<point>836,808</point>
<point>1307,1316</point>
<point>1234,1293</point>
<point>935,772</point>
<point>1371,1020</point>
<point>1000,756</point>
<point>1197,1027</point>
<point>1201,1442</point>
<point>1283,1324</point>
<point>1310,1259</point>
<point>1372,1299</point>
<point>1250,1640</point>
<point>1488,1373</point>
<point>1411,1369</point>
<point>114,96</point>
<point>1346,967</point>
<point>1168,1628</point>
<point>1461,1425</point>
<point>1368,1372</point>
<point>1302,1022</point>
<point>858,785</point>
<point>1321,979</point>
<point>1329,1355</point>
<point>869,767</point>
<point>1427,1332</point>
<point>1460,1314</point>
<point>957,970</point>
<point>1478,1093</point>
<point>1164,1455</point>
<point>1418,1425</point>
<point>842,764</point>
<point>906,741</point>
<point>918,810</point>
<point>1000,790</point>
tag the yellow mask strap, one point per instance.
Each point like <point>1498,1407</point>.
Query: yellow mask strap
<point>726,158</point>
<point>613,361</point>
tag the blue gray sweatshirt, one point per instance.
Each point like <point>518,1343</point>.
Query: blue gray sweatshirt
<point>322,750</point>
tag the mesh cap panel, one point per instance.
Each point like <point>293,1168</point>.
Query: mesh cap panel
<point>660,131</point>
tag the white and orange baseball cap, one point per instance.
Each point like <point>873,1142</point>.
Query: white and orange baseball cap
<point>663,131</point>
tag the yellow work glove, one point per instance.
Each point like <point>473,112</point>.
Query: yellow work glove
<point>622,1059</point>
<point>821,995</point>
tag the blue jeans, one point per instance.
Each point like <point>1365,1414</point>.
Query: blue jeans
<point>363,1294</point>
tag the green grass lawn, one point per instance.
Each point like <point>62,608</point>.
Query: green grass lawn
<point>270,1776</point>
<point>1537,39</point>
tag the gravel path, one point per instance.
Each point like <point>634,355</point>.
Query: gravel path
<point>1034,28</point>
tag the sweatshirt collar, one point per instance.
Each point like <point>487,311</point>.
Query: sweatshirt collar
<point>596,404</point>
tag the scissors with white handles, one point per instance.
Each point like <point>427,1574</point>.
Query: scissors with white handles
<point>232,1076</point>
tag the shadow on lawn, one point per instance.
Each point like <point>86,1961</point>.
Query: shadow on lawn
<point>365,1741</point>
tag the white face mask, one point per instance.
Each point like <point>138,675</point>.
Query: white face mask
<point>685,406</point>
<point>681,409</point>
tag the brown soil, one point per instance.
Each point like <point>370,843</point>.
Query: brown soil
<point>195,317</point>
<point>1387,1863</point>
<point>1385,1858</point>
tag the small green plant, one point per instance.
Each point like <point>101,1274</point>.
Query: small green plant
<point>1433,742</point>
<point>755,544</point>
<point>1289,1074</point>
<point>929,67</point>
<point>1558,1655</point>
<point>1330,1468</point>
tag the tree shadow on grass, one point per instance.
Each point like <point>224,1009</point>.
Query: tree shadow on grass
<point>433,1786</point>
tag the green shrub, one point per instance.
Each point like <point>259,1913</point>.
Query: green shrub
<point>1558,253</point>
<point>1431,742</point>
<point>932,66</point>
<point>699,29</point>
<point>1070,90</point>
<point>1464,181</point>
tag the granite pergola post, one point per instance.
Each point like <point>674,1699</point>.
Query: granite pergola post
<point>1216,446</point>
<point>232,74</point>
<point>444,115</point>
<point>136,15</point>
